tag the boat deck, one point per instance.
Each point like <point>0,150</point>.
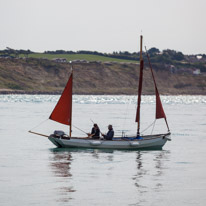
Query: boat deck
<point>130,138</point>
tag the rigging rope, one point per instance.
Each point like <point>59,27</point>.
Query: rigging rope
<point>38,124</point>
<point>153,126</point>
<point>125,117</point>
<point>79,129</point>
<point>153,123</point>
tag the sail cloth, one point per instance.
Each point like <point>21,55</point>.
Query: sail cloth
<point>159,108</point>
<point>63,111</point>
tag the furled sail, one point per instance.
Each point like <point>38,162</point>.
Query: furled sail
<point>140,87</point>
<point>62,113</point>
<point>139,91</point>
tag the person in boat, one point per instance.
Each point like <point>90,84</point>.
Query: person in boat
<point>95,133</point>
<point>110,133</point>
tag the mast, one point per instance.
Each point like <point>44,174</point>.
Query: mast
<point>70,128</point>
<point>141,38</point>
<point>140,87</point>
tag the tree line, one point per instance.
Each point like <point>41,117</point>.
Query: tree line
<point>156,56</point>
<point>8,52</point>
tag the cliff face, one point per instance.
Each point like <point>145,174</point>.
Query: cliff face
<point>45,76</point>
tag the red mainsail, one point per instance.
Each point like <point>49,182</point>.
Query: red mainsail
<point>62,113</point>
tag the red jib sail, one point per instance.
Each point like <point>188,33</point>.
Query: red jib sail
<point>63,111</point>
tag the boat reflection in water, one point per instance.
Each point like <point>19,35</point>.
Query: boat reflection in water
<point>149,175</point>
<point>60,164</point>
<point>92,175</point>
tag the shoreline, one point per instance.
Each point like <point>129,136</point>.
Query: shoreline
<point>17,92</point>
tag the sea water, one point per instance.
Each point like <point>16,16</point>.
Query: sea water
<point>34,172</point>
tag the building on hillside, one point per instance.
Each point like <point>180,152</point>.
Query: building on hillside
<point>196,71</point>
<point>80,61</point>
<point>59,60</point>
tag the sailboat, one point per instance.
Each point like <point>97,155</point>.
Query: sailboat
<point>62,113</point>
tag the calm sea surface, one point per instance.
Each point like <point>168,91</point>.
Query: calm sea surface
<point>34,172</point>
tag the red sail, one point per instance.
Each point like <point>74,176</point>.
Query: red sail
<point>159,109</point>
<point>63,111</point>
<point>139,91</point>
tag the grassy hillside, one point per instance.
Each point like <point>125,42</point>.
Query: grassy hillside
<point>72,57</point>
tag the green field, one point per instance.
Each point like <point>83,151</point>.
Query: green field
<point>72,57</point>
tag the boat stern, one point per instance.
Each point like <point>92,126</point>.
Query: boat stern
<point>56,136</point>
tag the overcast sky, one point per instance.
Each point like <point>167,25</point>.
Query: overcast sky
<point>103,25</point>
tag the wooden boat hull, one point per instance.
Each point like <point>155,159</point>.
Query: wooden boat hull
<point>150,142</point>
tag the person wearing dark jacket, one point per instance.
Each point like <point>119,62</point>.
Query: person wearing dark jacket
<point>110,133</point>
<point>95,132</point>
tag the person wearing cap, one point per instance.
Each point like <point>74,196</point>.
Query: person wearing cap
<point>95,133</point>
<point>110,133</point>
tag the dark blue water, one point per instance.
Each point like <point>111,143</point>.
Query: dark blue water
<point>34,172</point>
